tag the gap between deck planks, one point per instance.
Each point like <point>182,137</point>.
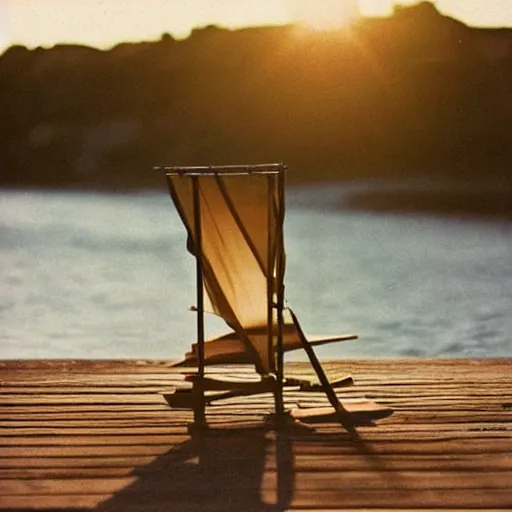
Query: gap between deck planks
<point>85,435</point>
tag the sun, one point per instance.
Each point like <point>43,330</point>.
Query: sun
<point>323,14</point>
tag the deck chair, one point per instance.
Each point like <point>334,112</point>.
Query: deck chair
<point>234,217</point>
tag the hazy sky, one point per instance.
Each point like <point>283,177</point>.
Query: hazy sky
<point>103,23</point>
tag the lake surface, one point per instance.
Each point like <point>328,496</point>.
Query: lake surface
<point>85,275</point>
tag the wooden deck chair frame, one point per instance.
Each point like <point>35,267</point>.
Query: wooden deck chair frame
<point>275,299</point>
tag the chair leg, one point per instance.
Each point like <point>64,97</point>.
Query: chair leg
<point>343,414</point>
<point>200,405</point>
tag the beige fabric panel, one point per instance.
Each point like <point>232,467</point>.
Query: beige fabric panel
<point>239,219</point>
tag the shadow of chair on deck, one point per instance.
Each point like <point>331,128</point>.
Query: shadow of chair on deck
<point>251,470</point>
<point>215,471</point>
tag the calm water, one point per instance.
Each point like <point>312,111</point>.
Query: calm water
<point>107,276</point>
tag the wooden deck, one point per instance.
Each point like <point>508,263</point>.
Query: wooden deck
<point>98,435</point>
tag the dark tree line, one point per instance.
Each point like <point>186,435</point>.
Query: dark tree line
<point>413,95</point>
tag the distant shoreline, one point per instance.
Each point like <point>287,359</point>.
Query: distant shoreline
<point>470,200</point>
<point>458,202</point>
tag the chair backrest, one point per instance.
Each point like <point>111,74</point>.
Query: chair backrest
<point>234,218</point>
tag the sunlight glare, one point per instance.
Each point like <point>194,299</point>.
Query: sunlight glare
<point>323,14</point>
<point>376,7</point>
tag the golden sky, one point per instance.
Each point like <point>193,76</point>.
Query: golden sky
<point>104,23</point>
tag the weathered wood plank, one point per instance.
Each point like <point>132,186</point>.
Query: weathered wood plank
<point>237,499</point>
<point>112,465</point>
<point>301,500</point>
<point>433,369</point>
<point>319,481</point>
